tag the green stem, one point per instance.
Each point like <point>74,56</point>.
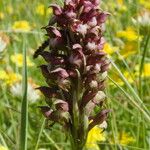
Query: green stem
<point>24,107</point>
<point>78,133</point>
<point>142,64</point>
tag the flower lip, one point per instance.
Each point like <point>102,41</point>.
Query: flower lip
<point>82,28</point>
<point>70,14</point>
<point>91,46</point>
<point>77,46</point>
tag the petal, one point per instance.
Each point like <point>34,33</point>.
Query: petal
<point>60,72</point>
<point>101,18</point>
<point>45,71</point>
<point>46,111</point>
<point>57,10</point>
<point>49,92</point>
<point>99,118</point>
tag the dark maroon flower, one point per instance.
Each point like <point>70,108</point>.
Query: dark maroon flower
<point>95,58</point>
<point>101,18</point>
<point>99,118</point>
<point>45,71</point>
<point>77,55</point>
<point>49,92</point>
<point>59,73</point>
<point>87,96</point>
<point>52,58</point>
<point>62,105</point>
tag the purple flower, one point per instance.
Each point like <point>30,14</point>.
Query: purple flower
<point>77,55</point>
<point>57,10</point>
<point>62,105</point>
<point>59,73</point>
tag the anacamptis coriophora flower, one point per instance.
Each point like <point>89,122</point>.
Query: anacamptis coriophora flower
<point>76,68</point>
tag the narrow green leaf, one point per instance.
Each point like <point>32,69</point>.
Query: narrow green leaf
<point>39,136</point>
<point>133,92</point>
<point>52,141</point>
<point>142,64</point>
<point>132,101</point>
<point>24,106</point>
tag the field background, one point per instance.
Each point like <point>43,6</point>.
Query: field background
<point>128,84</point>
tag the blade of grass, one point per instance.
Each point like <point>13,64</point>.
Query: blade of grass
<point>126,64</point>
<point>3,141</point>
<point>135,95</point>
<point>7,137</point>
<point>40,133</point>
<point>142,64</point>
<point>24,106</point>
<point>52,141</point>
<point>134,102</point>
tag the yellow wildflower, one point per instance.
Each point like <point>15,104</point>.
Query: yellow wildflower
<point>95,135</point>
<point>1,15</point>
<point>130,48</point>
<point>145,3</point>
<point>118,80</point>
<point>123,139</point>
<point>109,49</point>
<point>122,6</point>
<point>120,2</point>
<point>18,60</point>
<point>40,9</point>
<point>3,75</point>
<point>22,25</point>
<point>9,78</point>
<point>129,34</point>
<point>146,70</point>
<point>13,78</point>
<point>3,148</point>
